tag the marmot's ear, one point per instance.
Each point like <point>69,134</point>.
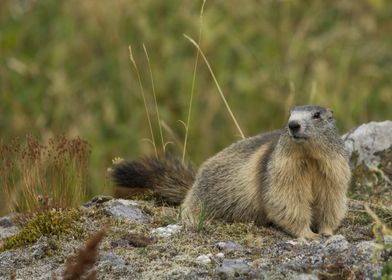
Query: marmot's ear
<point>329,113</point>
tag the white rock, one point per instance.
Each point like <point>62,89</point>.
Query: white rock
<point>220,256</point>
<point>368,139</point>
<point>166,231</point>
<point>292,242</point>
<point>203,259</point>
<point>304,276</point>
<point>388,240</point>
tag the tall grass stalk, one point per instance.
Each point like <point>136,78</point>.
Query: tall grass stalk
<point>155,99</point>
<point>313,92</point>
<point>144,99</point>
<point>193,82</point>
<point>217,85</point>
<point>290,99</point>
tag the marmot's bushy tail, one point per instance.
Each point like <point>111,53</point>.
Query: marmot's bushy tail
<point>167,177</point>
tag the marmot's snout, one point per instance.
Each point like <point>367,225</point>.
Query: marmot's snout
<point>294,127</point>
<point>296,130</point>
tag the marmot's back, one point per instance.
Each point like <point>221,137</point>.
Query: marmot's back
<point>229,185</point>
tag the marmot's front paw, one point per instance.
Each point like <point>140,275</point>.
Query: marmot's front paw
<point>308,234</point>
<point>326,231</point>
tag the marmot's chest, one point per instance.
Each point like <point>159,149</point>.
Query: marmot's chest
<point>301,173</point>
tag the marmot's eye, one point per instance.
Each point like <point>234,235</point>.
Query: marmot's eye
<point>316,115</point>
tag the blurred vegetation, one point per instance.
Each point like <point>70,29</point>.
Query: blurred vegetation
<point>65,69</point>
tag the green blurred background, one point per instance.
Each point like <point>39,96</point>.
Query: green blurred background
<point>65,69</point>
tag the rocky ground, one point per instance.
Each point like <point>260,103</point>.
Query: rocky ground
<point>144,239</point>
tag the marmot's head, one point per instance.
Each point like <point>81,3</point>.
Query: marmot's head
<point>308,123</point>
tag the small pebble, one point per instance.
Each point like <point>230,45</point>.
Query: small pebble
<point>203,259</point>
<point>166,231</point>
<point>220,256</point>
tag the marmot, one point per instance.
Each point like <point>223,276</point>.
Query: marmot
<point>295,177</point>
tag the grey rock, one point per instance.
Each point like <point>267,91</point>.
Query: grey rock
<point>112,259</point>
<point>38,250</point>
<point>117,272</point>
<point>332,253</point>
<point>233,268</point>
<point>6,222</point>
<point>8,231</point>
<point>7,227</point>
<point>126,210</point>
<point>367,140</point>
<point>228,246</point>
<point>114,263</point>
<point>368,249</point>
<point>7,259</point>
<point>336,244</point>
<point>296,262</point>
<point>119,243</point>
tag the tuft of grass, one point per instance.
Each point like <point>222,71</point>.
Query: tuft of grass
<point>202,218</point>
<point>39,176</point>
<point>48,223</point>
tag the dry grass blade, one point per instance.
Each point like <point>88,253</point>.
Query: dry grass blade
<point>171,133</point>
<point>217,85</point>
<point>144,98</point>
<point>378,223</point>
<point>193,83</point>
<point>81,264</point>
<point>155,98</point>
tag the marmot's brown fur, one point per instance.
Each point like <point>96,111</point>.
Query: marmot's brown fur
<point>296,178</point>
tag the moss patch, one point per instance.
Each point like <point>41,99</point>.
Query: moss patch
<point>51,222</point>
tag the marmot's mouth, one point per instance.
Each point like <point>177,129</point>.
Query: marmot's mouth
<point>299,138</point>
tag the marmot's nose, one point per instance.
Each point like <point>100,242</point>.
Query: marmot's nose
<point>294,126</point>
